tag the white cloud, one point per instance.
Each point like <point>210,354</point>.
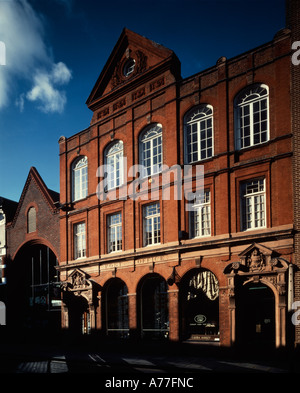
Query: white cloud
<point>21,30</point>
<point>61,74</point>
<point>50,99</point>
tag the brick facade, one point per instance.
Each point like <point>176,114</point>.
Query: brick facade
<point>123,107</point>
<point>32,240</point>
<point>292,16</point>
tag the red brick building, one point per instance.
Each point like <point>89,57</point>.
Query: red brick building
<point>33,247</point>
<point>212,264</point>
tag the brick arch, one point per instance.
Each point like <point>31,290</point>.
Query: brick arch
<point>184,271</point>
<point>33,242</point>
<point>143,277</point>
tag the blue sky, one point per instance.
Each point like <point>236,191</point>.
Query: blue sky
<point>56,49</point>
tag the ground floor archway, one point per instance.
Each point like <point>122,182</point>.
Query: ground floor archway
<point>199,305</point>
<point>255,315</point>
<point>115,309</point>
<point>34,290</point>
<point>153,307</point>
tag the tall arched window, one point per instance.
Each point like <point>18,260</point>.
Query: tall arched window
<point>199,133</point>
<point>114,162</point>
<point>80,178</point>
<point>31,220</point>
<point>252,116</point>
<point>151,150</point>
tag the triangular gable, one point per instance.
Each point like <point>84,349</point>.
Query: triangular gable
<point>145,54</point>
<point>51,197</point>
<point>263,249</point>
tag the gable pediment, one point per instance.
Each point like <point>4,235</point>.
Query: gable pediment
<point>35,181</point>
<point>132,56</point>
<point>257,259</point>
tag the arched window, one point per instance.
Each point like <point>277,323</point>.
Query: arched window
<point>199,133</point>
<point>114,165</point>
<point>80,178</point>
<point>252,116</point>
<point>31,220</point>
<point>151,150</point>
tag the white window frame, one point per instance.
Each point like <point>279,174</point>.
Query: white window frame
<point>199,123</point>
<point>151,224</point>
<point>151,141</point>
<point>200,215</point>
<point>114,232</point>
<point>79,240</point>
<point>253,204</point>
<point>245,101</point>
<point>80,179</point>
<point>114,165</point>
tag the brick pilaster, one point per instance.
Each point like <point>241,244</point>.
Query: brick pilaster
<point>293,22</point>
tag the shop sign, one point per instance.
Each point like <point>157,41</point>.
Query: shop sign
<point>200,319</point>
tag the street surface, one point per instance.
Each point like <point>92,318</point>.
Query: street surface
<point>126,359</point>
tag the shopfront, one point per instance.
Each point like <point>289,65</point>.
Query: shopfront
<point>199,303</point>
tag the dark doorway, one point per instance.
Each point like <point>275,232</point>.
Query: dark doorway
<point>255,316</point>
<point>154,310</point>
<point>79,316</point>
<point>199,306</point>
<point>116,309</point>
<point>34,291</point>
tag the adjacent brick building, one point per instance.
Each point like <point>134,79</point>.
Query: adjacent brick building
<point>142,257</point>
<point>33,247</point>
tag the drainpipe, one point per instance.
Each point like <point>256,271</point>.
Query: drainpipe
<point>290,287</point>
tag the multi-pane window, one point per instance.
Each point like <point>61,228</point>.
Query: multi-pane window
<point>114,162</point>
<point>79,240</point>
<point>151,150</point>
<point>252,117</point>
<point>199,133</point>
<point>253,204</point>
<point>80,178</point>
<point>114,235</point>
<point>151,217</point>
<point>200,221</point>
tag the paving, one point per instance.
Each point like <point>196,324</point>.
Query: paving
<point>113,358</point>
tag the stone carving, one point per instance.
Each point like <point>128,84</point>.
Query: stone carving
<point>258,264</point>
<point>78,281</point>
<point>141,64</point>
<point>78,284</point>
<point>256,261</point>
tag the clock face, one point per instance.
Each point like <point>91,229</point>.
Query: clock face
<point>129,67</point>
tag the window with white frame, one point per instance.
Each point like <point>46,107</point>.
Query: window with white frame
<point>151,221</point>
<point>252,116</point>
<point>79,240</point>
<point>199,133</point>
<point>80,178</point>
<point>114,232</point>
<point>114,162</point>
<point>200,217</point>
<point>151,150</point>
<point>253,204</point>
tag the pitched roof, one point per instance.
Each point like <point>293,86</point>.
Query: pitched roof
<point>51,197</point>
<point>146,52</point>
